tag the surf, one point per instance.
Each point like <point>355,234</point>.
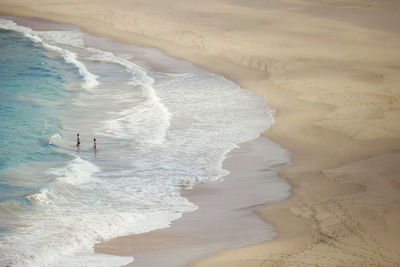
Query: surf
<point>153,130</point>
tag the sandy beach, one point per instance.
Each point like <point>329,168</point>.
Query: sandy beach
<point>330,69</point>
<point>225,217</point>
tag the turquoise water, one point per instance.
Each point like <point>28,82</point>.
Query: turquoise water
<point>153,131</point>
<point>32,87</point>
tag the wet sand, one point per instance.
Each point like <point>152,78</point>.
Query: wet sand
<point>226,216</point>
<point>331,70</point>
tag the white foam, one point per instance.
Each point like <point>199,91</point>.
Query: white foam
<point>76,173</point>
<point>75,213</point>
<point>182,127</point>
<point>55,139</point>
<point>69,56</point>
<point>72,38</point>
<point>149,114</point>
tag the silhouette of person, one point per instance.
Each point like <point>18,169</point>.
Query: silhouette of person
<point>78,140</point>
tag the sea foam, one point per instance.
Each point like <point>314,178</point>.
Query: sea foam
<point>62,37</point>
<point>157,133</point>
<point>126,119</point>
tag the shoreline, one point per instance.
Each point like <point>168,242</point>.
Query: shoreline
<point>224,202</point>
<point>226,215</point>
<point>333,85</point>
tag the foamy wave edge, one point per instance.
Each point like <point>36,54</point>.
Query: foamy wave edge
<point>90,80</point>
<point>139,76</point>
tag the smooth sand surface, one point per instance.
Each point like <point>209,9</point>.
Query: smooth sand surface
<point>331,69</point>
<point>225,218</point>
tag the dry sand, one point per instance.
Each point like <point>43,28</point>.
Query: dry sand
<point>331,68</point>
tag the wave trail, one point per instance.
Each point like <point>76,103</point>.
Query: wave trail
<point>90,80</point>
<point>152,109</point>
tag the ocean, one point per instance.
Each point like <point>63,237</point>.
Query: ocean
<point>159,131</point>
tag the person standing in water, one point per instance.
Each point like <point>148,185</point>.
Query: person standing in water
<point>94,143</point>
<point>78,140</point>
